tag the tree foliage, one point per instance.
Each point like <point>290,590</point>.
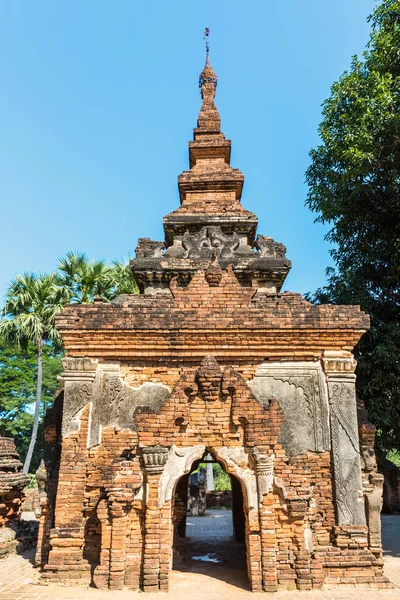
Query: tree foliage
<point>18,374</point>
<point>354,185</point>
<point>222,480</point>
<point>84,279</point>
<point>32,304</point>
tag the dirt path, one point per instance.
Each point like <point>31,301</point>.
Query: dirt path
<point>198,580</point>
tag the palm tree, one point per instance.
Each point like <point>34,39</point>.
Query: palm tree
<point>122,279</point>
<point>32,303</point>
<point>85,279</point>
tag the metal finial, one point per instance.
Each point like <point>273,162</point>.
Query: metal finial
<point>207,75</point>
<point>206,35</point>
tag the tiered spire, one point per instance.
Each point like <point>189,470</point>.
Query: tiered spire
<point>208,119</point>
<point>210,222</point>
<point>210,192</point>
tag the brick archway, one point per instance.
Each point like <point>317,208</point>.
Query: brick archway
<point>210,409</point>
<point>237,462</point>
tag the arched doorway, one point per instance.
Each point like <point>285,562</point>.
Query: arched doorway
<point>209,526</point>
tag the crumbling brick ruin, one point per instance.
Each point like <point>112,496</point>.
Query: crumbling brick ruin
<point>12,483</point>
<point>210,357</point>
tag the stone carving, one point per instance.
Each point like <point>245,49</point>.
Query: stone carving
<point>114,388</point>
<point>148,248</point>
<point>76,368</point>
<point>346,454</point>
<point>210,239</point>
<point>179,463</point>
<point>301,391</point>
<point>374,506</point>
<point>77,395</point>
<point>268,248</point>
<point>155,266</point>
<point>154,459</point>
<point>113,402</point>
<point>265,472</point>
<point>41,478</point>
<point>236,461</point>
<point>78,377</point>
<point>336,362</point>
<point>339,367</point>
<point>213,273</point>
<point>209,379</point>
<point>368,459</point>
<point>175,251</point>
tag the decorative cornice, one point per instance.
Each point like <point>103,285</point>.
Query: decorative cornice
<point>338,363</point>
<point>154,459</point>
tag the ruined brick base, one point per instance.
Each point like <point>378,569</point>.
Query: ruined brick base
<point>12,483</point>
<point>119,503</point>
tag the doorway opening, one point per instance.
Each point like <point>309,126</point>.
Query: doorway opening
<point>209,523</point>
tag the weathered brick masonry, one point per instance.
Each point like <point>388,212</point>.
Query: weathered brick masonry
<point>210,357</point>
<point>12,483</point>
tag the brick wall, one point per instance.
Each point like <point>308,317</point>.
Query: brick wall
<point>110,529</point>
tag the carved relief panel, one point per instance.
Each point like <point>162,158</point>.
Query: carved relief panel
<point>113,402</point>
<point>301,392</point>
<point>339,368</point>
<point>78,376</point>
<point>346,452</point>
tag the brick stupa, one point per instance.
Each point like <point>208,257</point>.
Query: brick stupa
<point>210,358</point>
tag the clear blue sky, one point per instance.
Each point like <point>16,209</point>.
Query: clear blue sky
<point>98,99</point>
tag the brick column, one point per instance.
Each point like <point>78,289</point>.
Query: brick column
<point>121,496</point>
<point>339,368</point>
<point>67,538</point>
<point>119,518</point>
<point>166,545</point>
<point>101,574</point>
<point>154,458</point>
<point>302,561</point>
<point>43,542</point>
<point>134,548</point>
<point>265,475</point>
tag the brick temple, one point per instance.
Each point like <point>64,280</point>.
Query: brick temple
<point>210,358</point>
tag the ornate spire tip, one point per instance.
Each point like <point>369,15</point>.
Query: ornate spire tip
<point>208,74</point>
<point>206,36</point>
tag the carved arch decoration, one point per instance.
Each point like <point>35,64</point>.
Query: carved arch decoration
<point>236,461</point>
<point>212,406</point>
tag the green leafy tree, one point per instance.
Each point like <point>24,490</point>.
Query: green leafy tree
<point>354,185</point>
<point>122,279</point>
<point>18,375</point>
<point>222,480</point>
<point>84,279</point>
<point>32,303</point>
